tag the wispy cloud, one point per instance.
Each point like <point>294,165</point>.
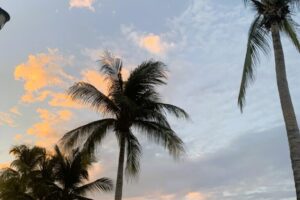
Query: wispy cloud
<point>7,119</point>
<point>15,110</point>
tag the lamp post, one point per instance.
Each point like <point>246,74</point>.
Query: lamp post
<point>4,17</point>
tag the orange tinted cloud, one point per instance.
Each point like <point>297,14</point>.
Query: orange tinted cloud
<point>32,97</point>
<point>40,71</point>
<point>15,110</point>
<point>195,196</point>
<point>168,197</point>
<point>82,4</point>
<point>18,137</point>
<point>96,171</point>
<point>47,129</point>
<point>96,79</point>
<point>153,44</point>
<point>63,100</point>
<point>4,165</point>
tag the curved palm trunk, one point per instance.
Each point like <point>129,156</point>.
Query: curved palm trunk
<point>287,107</point>
<point>119,184</point>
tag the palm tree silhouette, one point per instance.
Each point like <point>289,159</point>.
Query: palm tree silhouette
<point>131,105</point>
<point>37,175</point>
<point>71,173</point>
<point>274,17</point>
<point>17,181</point>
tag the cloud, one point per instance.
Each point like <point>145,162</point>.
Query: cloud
<point>95,78</point>
<point>82,4</point>
<point>47,130</point>
<point>250,167</point>
<point>63,100</point>
<point>35,97</point>
<point>41,71</point>
<point>95,171</point>
<point>6,119</point>
<point>18,137</point>
<point>155,44</point>
<point>194,196</point>
<point>15,110</point>
<point>4,165</point>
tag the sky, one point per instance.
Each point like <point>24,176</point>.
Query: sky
<point>49,45</point>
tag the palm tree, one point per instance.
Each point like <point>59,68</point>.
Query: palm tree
<point>71,173</point>
<point>130,105</point>
<point>35,175</point>
<point>18,181</point>
<point>274,17</point>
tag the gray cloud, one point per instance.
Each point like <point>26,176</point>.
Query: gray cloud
<point>253,166</point>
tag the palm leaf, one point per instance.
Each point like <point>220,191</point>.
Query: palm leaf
<point>111,66</point>
<point>289,26</point>
<point>73,138</point>
<point>143,79</point>
<point>161,135</point>
<point>88,94</point>
<point>257,42</point>
<point>258,6</point>
<point>293,3</point>
<point>8,173</point>
<point>97,135</point>
<point>133,156</point>
<point>174,110</point>
<point>103,184</point>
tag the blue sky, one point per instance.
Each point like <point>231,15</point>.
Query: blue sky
<point>48,45</point>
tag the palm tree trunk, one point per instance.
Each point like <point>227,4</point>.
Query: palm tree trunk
<point>287,107</point>
<point>119,184</point>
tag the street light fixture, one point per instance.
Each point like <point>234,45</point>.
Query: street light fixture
<point>4,17</point>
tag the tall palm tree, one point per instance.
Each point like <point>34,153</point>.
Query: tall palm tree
<point>71,173</point>
<point>274,17</point>
<point>130,105</point>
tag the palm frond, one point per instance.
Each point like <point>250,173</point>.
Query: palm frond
<point>153,114</point>
<point>102,184</point>
<point>257,6</point>
<point>289,26</point>
<point>293,3</point>
<point>143,79</point>
<point>161,135</point>
<point>246,2</point>
<point>174,110</point>
<point>77,136</point>
<point>8,173</point>
<point>80,161</point>
<point>97,135</point>
<point>134,152</point>
<point>257,42</point>
<point>88,94</point>
<point>110,65</point>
